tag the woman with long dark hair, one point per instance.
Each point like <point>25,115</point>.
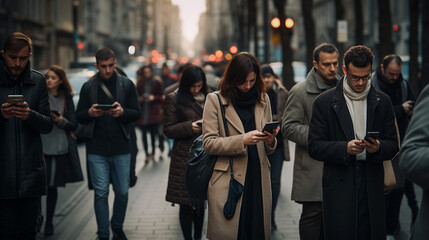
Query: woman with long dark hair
<point>59,146</point>
<point>247,110</point>
<point>182,122</point>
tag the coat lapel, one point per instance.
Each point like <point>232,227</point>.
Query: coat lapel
<point>372,100</point>
<point>340,107</point>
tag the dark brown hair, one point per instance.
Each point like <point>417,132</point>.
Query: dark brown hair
<point>104,54</point>
<point>17,41</point>
<point>65,85</point>
<point>236,74</point>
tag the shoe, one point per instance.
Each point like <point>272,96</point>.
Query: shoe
<point>133,181</point>
<point>118,234</point>
<point>49,229</point>
<point>39,222</point>
<point>273,226</point>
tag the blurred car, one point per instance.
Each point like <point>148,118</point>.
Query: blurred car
<point>77,77</point>
<point>299,70</point>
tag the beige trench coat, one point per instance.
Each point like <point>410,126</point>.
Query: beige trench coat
<point>215,144</point>
<point>307,172</point>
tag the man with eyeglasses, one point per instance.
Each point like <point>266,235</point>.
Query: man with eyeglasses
<point>353,173</point>
<point>388,79</point>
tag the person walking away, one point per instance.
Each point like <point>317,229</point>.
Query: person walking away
<point>353,173</point>
<point>151,98</point>
<point>413,161</point>
<point>183,113</point>
<point>23,118</point>
<point>60,150</point>
<point>388,79</point>
<point>307,172</point>
<point>247,110</point>
<point>107,139</point>
<point>278,98</point>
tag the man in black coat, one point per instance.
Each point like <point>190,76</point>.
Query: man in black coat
<point>388,79</point>
<point>353,174</point>
<point>22,166</point>
<point>107,139</point>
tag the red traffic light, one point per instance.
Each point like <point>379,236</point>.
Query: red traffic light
<point>395,28</point>
<point>80,46</point>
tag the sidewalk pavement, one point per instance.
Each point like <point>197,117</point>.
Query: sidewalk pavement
<point>149,216</point>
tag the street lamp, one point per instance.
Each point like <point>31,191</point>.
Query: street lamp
<point>289,23</point>
<point>275,22</point>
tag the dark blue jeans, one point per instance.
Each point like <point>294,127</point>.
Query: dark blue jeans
<point>276,161</point>
<point>102,168</point>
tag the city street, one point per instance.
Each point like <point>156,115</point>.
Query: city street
<point>149,216</point>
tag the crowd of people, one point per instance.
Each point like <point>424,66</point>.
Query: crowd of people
<point>338,174</point>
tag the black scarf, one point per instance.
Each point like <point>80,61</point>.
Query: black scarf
<point>244,104</point>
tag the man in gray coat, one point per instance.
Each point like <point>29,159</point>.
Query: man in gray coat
<point>414,161</point>
<point>307,174</point>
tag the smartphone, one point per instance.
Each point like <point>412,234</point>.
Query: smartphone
<point>55,112</point>
<point>412,104</point>
<point>374,135</point>
<point>15,99</point>
<point>271,126</point>
<point>106,106</point>
<point>200,124</point>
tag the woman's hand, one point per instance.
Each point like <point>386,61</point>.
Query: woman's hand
<point>196,126</point>
<point>255,136</point>
<point>57,118</point>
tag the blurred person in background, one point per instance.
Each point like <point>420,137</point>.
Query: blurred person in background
<point>212,79</point>
<point>151,97</point>
<point>107,139</point>
<point>167,77</point>
<point>23,168</point>
<point>388,79</point>
<point>247,110</point>
<point>183,113</point>
<point>59,145</point>
<point>278,98</point>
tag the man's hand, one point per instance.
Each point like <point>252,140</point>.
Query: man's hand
<point>6,110</point>
<point>372,145</point>
<point>355,147</point>
<point>408,107</point>
<point>95,112</point>
<point>117,111</point>
<point>19,110</point>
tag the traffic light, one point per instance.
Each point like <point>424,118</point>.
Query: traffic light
<point>395,28</point>
<point>289,23</point>
<point>275,22</point>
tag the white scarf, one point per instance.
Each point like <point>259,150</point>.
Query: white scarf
<point>357,105</point>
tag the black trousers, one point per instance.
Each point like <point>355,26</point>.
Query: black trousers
<point>18,218</point>
<point>311,222</point>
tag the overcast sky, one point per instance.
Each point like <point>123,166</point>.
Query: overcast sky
<point>190,11</point>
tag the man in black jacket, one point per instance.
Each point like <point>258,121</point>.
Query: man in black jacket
<point>353,173</point>
<point>22,166</point>
<point>107,139</point>
<point>388,79</point>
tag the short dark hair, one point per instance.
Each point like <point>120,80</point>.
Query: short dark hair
<point>389,58</point>
<point>104,54</point>
<point>240,66</point>
<point>324,47</point>
<point>191,75</point>
<point>17,41</point>
<point>360,56</point>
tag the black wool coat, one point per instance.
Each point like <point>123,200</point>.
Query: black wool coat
<point>331,128</point>
<point>178,126</point>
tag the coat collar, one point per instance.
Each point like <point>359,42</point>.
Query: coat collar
<point>5,78</point>
<point>340,107</point>
<point>314,82</point>
<point>233,118</point>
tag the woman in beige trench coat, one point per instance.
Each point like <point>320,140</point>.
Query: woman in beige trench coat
<point>247,109</point>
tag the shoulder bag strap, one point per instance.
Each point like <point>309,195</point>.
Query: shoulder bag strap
<point>222,109</point>
<point>106,90</point>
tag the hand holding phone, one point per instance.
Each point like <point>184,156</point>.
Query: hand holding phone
<point>374,135</point>
<point>55,112</point>
<point>271,126</point>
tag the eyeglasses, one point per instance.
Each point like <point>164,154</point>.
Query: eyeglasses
<point>357,78</point>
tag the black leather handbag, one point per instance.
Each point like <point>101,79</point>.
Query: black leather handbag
<point>199,166</point>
